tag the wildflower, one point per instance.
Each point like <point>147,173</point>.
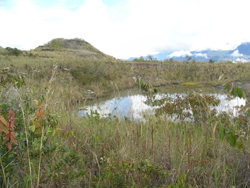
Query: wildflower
<point>10,137</point>
<point>190,140</point>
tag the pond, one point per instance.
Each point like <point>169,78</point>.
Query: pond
<point>131,103</point>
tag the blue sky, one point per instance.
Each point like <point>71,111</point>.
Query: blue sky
<point>127,28</point>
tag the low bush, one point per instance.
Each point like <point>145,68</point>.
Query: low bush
<point>13,51</point>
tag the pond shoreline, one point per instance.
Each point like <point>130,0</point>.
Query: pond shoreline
<point>219,87</point>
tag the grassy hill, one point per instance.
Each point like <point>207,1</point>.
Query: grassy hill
<point>70,47</point>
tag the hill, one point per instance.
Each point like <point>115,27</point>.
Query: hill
<point>70,47</point>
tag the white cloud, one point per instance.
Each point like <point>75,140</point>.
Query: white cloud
<point>236,54</point>
<point>132,27</point>
<point>180,54</point>
<point>201,55</point>
<point>240,60</point>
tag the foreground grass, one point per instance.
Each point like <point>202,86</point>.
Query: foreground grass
<point>157,153</point>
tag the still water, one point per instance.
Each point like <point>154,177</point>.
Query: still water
<point>131,103</point>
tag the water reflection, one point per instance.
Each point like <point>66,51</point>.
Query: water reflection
<point>132,105</point>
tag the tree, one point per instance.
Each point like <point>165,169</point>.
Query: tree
<point>150,58</point>
<point>211,61</point>
<point>141,58</point>
<point>188,58</point>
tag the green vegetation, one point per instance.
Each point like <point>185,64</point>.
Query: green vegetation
<point>50,146</point>
<point>13,51</point>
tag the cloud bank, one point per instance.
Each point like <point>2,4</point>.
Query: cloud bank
<point>236,54</point>
<point>180,54</point>
<point>129,28</point>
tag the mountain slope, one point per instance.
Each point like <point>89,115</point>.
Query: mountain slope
<point>244,48</point>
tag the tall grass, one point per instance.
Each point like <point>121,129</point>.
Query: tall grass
<point>155,153</point>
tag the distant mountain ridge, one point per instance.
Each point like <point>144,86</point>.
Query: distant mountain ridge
<point>239,54</point>
<point>244,48</point>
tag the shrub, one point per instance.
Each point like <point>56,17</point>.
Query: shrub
<point>13,51</point>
